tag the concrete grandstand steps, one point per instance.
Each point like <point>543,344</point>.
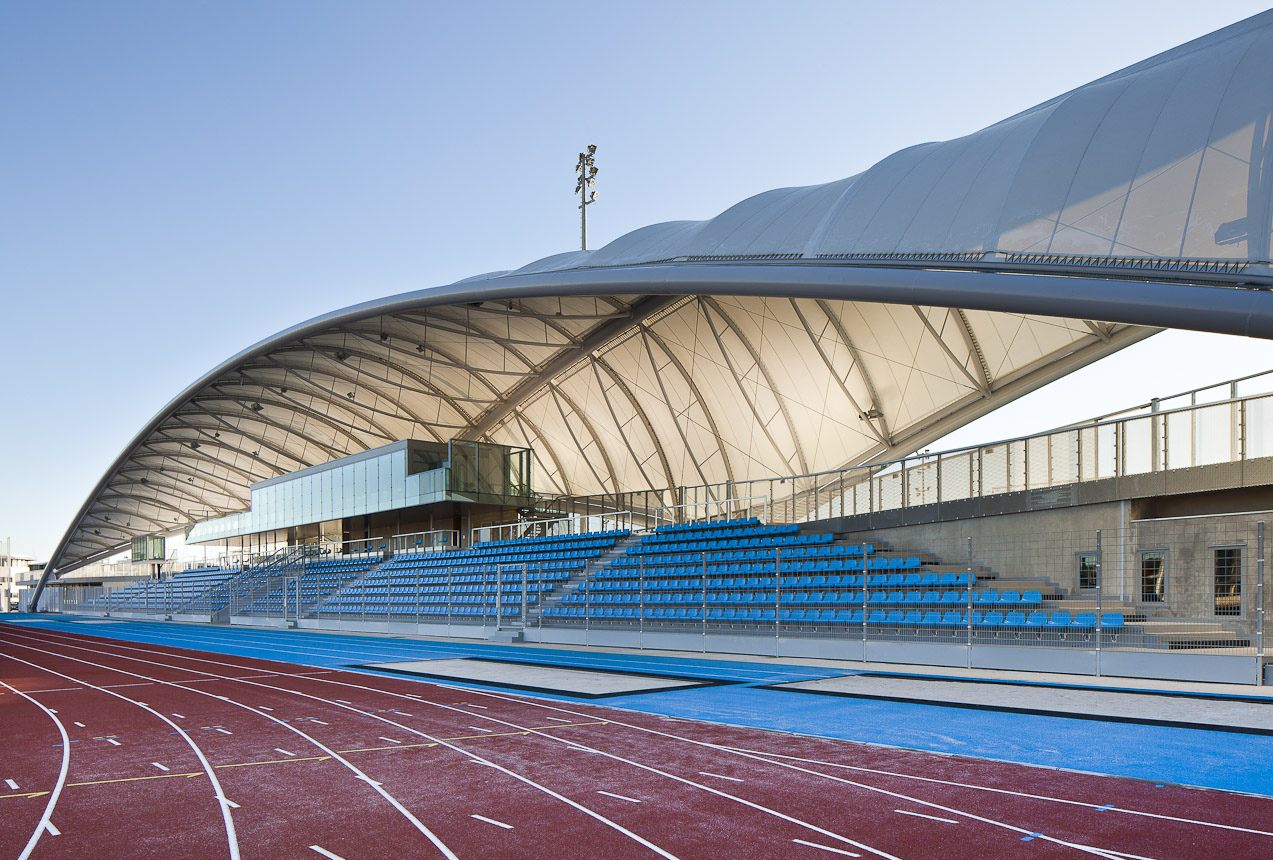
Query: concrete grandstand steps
<point>577,578</point>
<point>1185,633</point>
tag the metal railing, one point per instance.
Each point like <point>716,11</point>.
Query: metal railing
<point>560,526</point>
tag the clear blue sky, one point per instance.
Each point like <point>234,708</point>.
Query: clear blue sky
<point>180,180</point>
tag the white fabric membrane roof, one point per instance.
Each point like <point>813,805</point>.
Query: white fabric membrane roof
<point>803,329</point>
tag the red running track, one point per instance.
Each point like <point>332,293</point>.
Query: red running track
<point>181,753</point>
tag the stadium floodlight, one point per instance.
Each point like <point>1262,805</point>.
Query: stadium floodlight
<point>585,179</point>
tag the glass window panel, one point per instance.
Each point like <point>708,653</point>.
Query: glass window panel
<point>1227,567</point>
<point>1087,570</point>
<point>1153,576</point>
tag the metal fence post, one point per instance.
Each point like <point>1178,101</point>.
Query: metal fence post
<point>499,597</point>
<point>1259,603</point>
<point>641,603</point>
<point>968,593</point>
<point>704,601</point>
<point>777,602</point>
<point>1099,603</point>
<point>866,605</point>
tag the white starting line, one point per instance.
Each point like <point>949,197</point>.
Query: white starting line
<point>283,751</point>
<point>390,740</point>
<point>826,848</point>
<point>53,831</point>
<point>325,853</point>
<point>929,817</point>
<point>718,776</point>
<point>618,796</point>
<point>158,765</point>
<point>13,785</point>
<point>112,742</point>
<point>492,821</point>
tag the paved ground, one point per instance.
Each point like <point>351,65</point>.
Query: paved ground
<point>1161,709</point>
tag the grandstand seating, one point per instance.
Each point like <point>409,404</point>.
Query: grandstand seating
<point>190,591</point>
<point>734,574</point>
<point>740,573</point>
<point>470,584</point>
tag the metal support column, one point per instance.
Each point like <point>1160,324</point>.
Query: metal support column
<point>1259,603</point>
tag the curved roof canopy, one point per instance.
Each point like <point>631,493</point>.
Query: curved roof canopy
<point>803,329</point>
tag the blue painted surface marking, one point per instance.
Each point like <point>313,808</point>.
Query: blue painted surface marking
<point>1236,762</point>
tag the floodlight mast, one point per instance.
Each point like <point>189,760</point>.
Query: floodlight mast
<point>585,178</point>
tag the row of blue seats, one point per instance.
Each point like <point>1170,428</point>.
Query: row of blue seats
<point>1036,621</point>
<point>796,555</point>
<point>507,588</point>
<point>906,581</point>
<point>436,611</point>
<point>839,598</point>
<point>460,566</point>
<point>691,545</point>
<point>412,600</point>
<point>400,578</point>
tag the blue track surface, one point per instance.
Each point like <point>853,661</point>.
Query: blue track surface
<point>1236,762</point>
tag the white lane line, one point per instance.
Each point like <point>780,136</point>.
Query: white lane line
<point>826,848</point>
<point>112,742</point>
<point>559,719</point>
<point>320,722</point>
<point>618,796</point>
<point>263,708</point>
<point>158,765</point>
<point>13,785</point>
<point>402,713</point>
<point>179,716</point>
<point>513,774</point>
<point>53,831</point>
<point>283,751</point>
<point>325,852</point>
<point>922,815</point>
<point>718,776</point>
<point>81,725</point>
<point>390,740</point>
<point>342,701</point>
<point>225,731</point>
<point>483,707</point>
<point>234,846</point>
<point>492,821</point>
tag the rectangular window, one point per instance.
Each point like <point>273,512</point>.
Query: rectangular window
<point>1087,571</point>
<point>1227,565</point>
<point>1153,576</point>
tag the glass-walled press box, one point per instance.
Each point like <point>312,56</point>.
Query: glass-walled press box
<point>401,475</point>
